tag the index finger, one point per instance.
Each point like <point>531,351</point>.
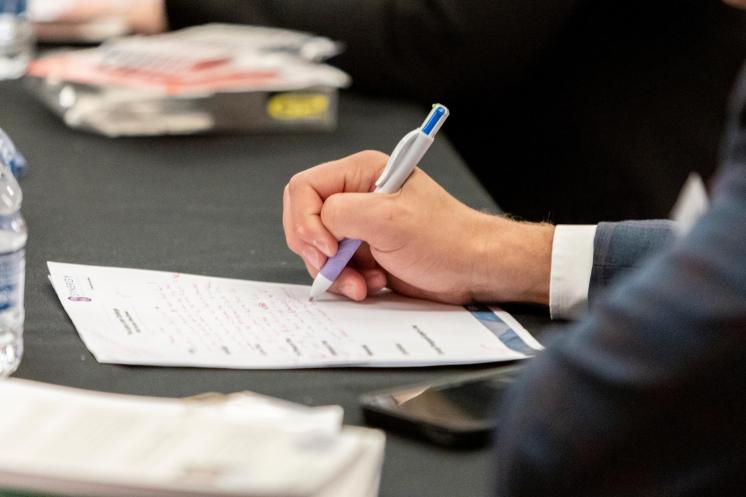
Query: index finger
<point>309,189</point>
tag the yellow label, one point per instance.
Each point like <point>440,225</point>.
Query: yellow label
<point>297,106</point>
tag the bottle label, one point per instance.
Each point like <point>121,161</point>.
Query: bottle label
<point>12,277</point>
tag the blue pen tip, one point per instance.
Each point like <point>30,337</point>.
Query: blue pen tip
<point>436,115</point>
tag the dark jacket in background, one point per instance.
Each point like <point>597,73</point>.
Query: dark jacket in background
<point>567,110</point>
<point>645,396</point>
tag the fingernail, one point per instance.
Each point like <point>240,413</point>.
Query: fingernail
<point>312,257</point>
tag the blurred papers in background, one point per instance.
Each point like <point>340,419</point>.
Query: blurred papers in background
<point>206,78</point>
<point>65,441</point>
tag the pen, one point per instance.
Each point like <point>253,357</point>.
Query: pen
<point>405,157</point>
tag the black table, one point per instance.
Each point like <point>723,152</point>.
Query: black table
<point>210,205</point>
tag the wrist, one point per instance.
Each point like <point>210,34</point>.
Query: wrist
<point>512,261</point>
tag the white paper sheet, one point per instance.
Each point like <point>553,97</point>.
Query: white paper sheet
<point>132,316</point>
<point>75,442</point>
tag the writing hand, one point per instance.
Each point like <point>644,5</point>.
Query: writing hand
<point>420,242</point>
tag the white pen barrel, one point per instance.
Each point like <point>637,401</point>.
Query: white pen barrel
<point>412,155</point>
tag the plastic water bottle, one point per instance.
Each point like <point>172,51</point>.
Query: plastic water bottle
<point>11,156</point>
<point>16,39</point>
<point>12,272</point>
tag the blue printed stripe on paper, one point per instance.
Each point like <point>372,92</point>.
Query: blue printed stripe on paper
<point>500,329</point>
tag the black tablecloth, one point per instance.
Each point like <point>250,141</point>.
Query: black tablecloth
<point>210,205</point>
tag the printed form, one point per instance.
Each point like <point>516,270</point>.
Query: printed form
<point>134,316</point>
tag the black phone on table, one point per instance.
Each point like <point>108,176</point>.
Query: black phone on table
<point>457,411</point>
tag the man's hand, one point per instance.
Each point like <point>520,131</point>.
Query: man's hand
<point>420,242</point>
<point>71,20</point>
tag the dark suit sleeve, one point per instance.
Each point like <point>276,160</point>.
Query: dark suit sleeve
<point>619,248</point>
<point>645,396</point>
<point>431,49</point>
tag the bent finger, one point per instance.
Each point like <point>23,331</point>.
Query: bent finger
<point>375,280</point>
<point>309,189</point>
<point>350,283</point>
<point>304,225</point>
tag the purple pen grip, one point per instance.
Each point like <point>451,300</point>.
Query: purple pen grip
<point>337,263</point>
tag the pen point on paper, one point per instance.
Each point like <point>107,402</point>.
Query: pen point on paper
<point>310,299</point>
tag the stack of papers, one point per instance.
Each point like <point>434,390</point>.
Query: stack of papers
<point>204,78</point>
<point>131,316</point>
<point>63,441</point>
<point>204,59</point>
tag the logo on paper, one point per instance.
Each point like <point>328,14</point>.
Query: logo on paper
<point>75,290</point>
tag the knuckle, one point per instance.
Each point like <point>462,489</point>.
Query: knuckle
<point>295,182</point>
<point>301,231</point>
<point>292,243</point>
<point>292,246</point>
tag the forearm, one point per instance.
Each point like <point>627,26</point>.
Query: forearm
<point>512,261</point>
<point>558,266</point>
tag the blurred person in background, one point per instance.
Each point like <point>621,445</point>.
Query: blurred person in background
<point>609,104</point>
<point>566,110</point>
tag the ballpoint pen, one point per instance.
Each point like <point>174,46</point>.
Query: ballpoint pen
<point>405,157</point>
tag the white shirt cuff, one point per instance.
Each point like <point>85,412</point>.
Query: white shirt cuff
<point>572,262</point>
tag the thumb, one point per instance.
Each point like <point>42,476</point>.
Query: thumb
<point>370,217</point>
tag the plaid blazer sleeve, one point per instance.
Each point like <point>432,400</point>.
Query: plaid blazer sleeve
<point>619,248</point>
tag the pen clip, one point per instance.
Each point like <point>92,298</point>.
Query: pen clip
<point>399,151</point>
